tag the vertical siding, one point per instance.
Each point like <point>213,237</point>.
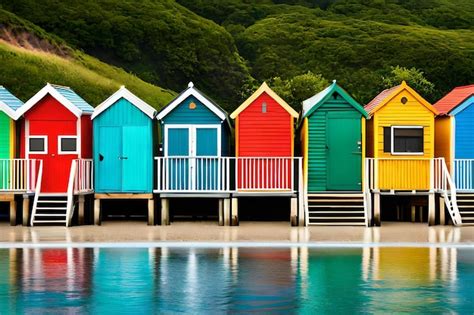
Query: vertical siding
<point>317,140</point>
<point>265,134</point>
<point>443,145</point>
<point>4,136</point>
<point>465,133</point>
<point>86,137</point>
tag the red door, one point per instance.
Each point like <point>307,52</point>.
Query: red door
<point>56,165</point>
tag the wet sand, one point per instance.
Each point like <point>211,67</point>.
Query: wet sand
<point>262,232</point>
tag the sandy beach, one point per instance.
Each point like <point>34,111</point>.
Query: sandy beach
<point>205,231</point>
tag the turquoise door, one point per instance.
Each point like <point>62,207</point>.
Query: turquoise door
<point>110,165</point>
<point>134,170</point>
<point>207,167</point>
<point>178,175</point>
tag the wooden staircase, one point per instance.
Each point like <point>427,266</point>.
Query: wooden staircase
<point>50,209</point>
<point>336,209</point>
<point>465,202</point>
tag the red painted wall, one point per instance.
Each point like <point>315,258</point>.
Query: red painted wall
<point>265,134</point>
<point>86,130</point>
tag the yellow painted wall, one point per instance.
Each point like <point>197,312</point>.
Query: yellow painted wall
<point>443,139</point>
<point>414,176</point>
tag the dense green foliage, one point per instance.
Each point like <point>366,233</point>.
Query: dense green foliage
<point>413,77</point>
<point>48,59</point>
<point>227,47</point>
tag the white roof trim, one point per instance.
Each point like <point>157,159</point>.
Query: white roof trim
<point>129,96</point>
<point>7,110</point>
<point>48,89</point>
<point>191,91</point>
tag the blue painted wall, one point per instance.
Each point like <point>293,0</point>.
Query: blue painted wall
<point>465,131</point>
<point>125,131</point>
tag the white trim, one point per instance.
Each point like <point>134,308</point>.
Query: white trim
<point>79,137</point>
<point>60,150</point>
<point>129,96</point>
<point>392,135</point>
<point>45,139</point>
<point>8,111</point>
<point>192,148</point>
<point>48,89</point>
<point>453,143</point>
<point>27,134</point>
<point>191,91</point>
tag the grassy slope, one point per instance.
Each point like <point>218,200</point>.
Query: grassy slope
<point>28,69</point>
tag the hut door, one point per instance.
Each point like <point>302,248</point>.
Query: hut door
<point>134,170</point>
<point>206,164</point>
<point>344,151</point>
<point>110,170</point>
<point>177,153</point>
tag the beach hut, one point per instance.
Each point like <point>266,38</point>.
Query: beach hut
<point>333,141</point>
<point>264,147</point>
<point>195,133</point>
<point>8,184</point>
<point>400,142</point>
<point>454,139</point>
<point>56,128</point>
<point>124,135</point>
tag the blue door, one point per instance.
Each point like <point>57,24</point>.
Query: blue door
<point>134,170</point>
<point>207,164</point>
<point>177,163</point>
<point>110,165</point>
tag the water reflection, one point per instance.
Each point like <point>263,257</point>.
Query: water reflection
<point>235,279</point>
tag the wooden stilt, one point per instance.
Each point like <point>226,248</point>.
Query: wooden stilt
<point>398,212</point>
<point>301,214</point>
<point>26,210</point>
<point>377,209</point>
<point>81,209</point>
<point>227,211</point>
<point>413,214</point>
<point>235,212</point>
<point>294,212</point>
<point>431,209</point>
<point>421,213</point>
<point>12,212</point>
<point>151,211</point>
<point>221,212</point>
<point>165,211</point>
<point>442,213</point>
<point>97,212</point>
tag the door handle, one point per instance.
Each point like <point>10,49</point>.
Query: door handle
<point>123,158</point>
<point>101,157</point>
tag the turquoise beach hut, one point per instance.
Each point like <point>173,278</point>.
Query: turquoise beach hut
<point>124,131</point>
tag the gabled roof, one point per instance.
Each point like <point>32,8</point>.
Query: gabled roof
<point>192,91</point>
<point>63,94</point>
<point>264,88</point>
<point>454,98</point>
<point>314,102</point>
<point>386,95</point>
<point>129,96</point>
<point>9,103</point>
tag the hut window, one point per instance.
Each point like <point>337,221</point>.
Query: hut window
<point>264,107</point>
<point>404,100</point>
<point>67,145</point>
<point>407,140</point>
<point>387,139</point>
<point>38,144</point>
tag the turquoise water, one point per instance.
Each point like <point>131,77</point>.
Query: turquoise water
<point>237,280</point>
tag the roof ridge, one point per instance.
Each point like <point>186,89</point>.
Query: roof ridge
<point>60,86</point>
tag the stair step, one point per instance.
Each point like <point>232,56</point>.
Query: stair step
<point>337,223</point>
<point>49,215</point>
<point>52,201</point>
<point>51,208</point>
<point>49,221</point>
<point>337,218</point>
<point>350,212</point>
<point>466,212</point>
<point>335,206</point>
<point>335,200</point>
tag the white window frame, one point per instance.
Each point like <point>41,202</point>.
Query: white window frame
<point>392,144</point>
<point>60,151</point>
<point>45,139</point>
<point>192,129</point>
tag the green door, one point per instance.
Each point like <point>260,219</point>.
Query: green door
<point>110,164</point>
<point>134,170</point>
<point>344,151</point>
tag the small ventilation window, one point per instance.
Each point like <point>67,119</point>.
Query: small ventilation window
<point>264,107</point>
<point>404,100</point>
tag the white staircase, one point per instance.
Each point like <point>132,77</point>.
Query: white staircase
<point>465,203</point>
<point>444,184</point>
<point>336,209</point>
<point>50,209</point>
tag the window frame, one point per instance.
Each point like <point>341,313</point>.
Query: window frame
<point>45,139</point>
<point>60,149</point>
<point>392,140</point>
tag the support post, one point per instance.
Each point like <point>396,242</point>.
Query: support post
<point>221,212</point>
<point>377,209</point>
<point>165,211</point>
<point>12,212</point>
<point>81,209</point>
<point>97,212</point>
<point>151,211</point>
<point>227,212</point>
<point>294,212</point>
<point>442,212</point>
<point>413,214</point>
<point>431,209</point>
<point>26,210</point>
<point>235,212</point>
<point>301,214</point>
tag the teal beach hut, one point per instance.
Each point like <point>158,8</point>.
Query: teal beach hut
<point>124,131</point>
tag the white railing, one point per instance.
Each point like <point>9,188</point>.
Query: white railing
<point>84,177</point>
<point>37,191</point>
<point>70,192</point>
<point>193,174</point>
<point>463,173</point>
<point>18,175</point>
<point>367,194</point>
<point>444,184</point>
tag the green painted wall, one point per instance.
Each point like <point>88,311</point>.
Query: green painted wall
<point>4,136</point>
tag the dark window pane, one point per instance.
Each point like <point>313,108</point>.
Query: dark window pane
<point>408,140</point>
<point>387,139</point>
<point>68,144</point>
<point>37,145</point>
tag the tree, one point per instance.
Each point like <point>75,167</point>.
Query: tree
<point>413,77</point>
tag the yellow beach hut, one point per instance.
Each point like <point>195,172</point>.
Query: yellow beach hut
<point>400,144</point>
